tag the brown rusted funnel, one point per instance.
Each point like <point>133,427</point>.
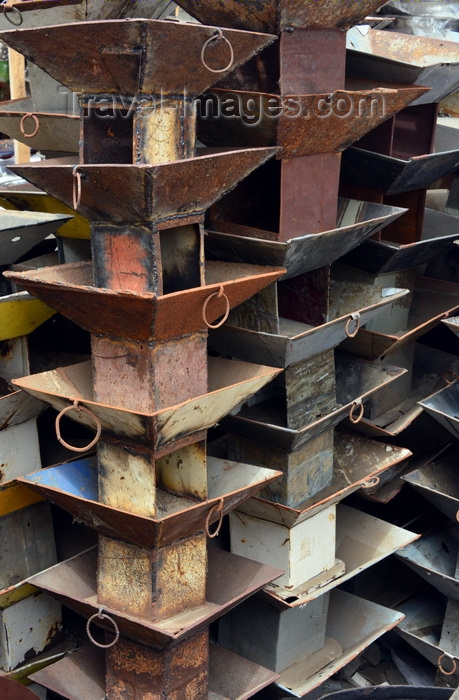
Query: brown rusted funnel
<point>10,690</point>
<point>20,231</point>
<point>301,125</point>
<point>147,193</point>
<point>137,57</point>
<point>118,314</point>
<point>276,15</point>
<point>40,130</point>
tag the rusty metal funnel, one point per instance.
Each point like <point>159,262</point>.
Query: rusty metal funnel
<point>82,675</point>
<point>147,193</point>
<point>452,324</point>
<point>230,383</point>
<point>230,580</point>
<point>443,406</point>
<point>277,15</point>
<point>42,131</point>
<point>357,463</point>
<point>356,221</point>
<point>392,175</point>
<point>10,690</point>
<point>439,232</point>
<point>118,314</point>
<point>437,482</point>
<point>404,58</point>
<point>301,125</point>
<point>73,486</point>
<point>356,381</point>
<point>134,57</point>
<point>20,231</point>
<point>30,13</point>
<point>20,314</point>
<point>434,558</point>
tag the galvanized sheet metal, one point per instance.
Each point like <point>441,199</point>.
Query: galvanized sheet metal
<point>421,627</point>
<point>73,486</point>
<point>133,57</point>
<point>276,15</point>
<point>452,324</point>
<point>356,381</point>
<point>356,221</point>
<point>405,58</point>
<point>440,230</point>
<point>437,482</point>
<point>55,132</point>
<point>20,231</point>
<point>18,407</point>
<point>230,383</point>
<point>392,175</point>
<point>355,623</point>
<point>139,193</point>
<point>143,316</point>
<point>444,407</point>
<point>300,125</point>
<point>230,580</point>
<point>361,541</point>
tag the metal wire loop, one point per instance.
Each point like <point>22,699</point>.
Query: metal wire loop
<point>76,407</point>
<point>216,37</point>
<point>29,115</point>
<point>356,318</point>
<point>217,507</point>
<point>76,192</point>
<point>448,374</point>
<point>453,662</point>
<point>217,295</point>
<point>102,616</point>
<point>370,483</point>
<point>358,418</point>
<point>6,8</point>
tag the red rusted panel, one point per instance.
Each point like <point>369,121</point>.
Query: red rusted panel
<point>312,61</point>
<point>277,15</point>
<point>134,57</point>
<point>10,690</point>
<point>139,193</point>
<point>120,314</point>
<point>305,298</point>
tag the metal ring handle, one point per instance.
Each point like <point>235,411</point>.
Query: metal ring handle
<point>359,417</point>
<point>21,125</point>
<point>75,406</point>
<point>76,191</point>
<point>371,483</point>
<point>217,507</point>
<point>356,318</point>
<point>215,37</point>
<point>102,616</point>
<point>217,295</point>
<point>13,8</point>
<point>454,376</point>
<point>440,667</point>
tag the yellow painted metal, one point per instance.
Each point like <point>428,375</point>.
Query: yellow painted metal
<point>20,314</point>
<point>78,227</point>
<point>14,496</point>
<point>15,594</point>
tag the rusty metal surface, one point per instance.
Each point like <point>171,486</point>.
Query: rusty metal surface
<point>56,132</point>
<point>405,58</point>
<point>276,15</point>
<point>356,381</point>
<point>395,175</point>
<point>354,623</point>
<point>133,57</point>
<point>437,482</point>
<point>434,558</point>
<point>432,301</point>
<point>73,486</point>
<point>230,383</point>
<point>444,407</point>
<point>37,13</point>
<point>10,690</point>
<point>299,341</point>
<point>78,675</point>
<point>146,316</point>
<point>439,232</point>
<point>139,193</point>
<point>20,231</point>
<point>235,677</point>
<point>230,580</point>
<point>300,125</point>
<point>361,541</point>
<point>356,221</point>
<point>18,407</point>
